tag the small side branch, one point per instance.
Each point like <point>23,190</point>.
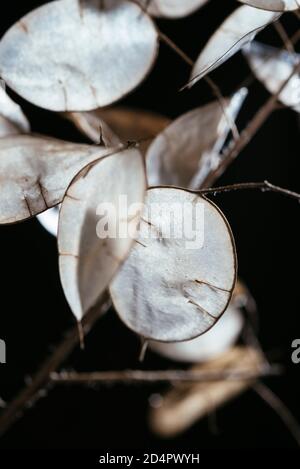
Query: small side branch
<point>280,408</point>
<point>168,41</point>
<point>32,391</point>
<point>288,44</point>
<point>248,133</point>
<point>264,186</point>
<point>213,86</point>
<point>140,376</point>
<point>240,141</point>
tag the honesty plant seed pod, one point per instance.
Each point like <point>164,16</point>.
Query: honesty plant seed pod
<point>188,402</point>
<point>12,119</point>
<point>272,67</point>
<point>88,259</point>
<point>178,280</point>
<point>125,124</point>
<point>209,345</point>
<point>171,8</point>
<point>237,30</point>
<point>274,5</point>
<point>73,55</point>
<point>37,171</point>
<point>185,152</point>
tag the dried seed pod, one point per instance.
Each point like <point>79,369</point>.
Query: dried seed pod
<point>237,30</point>
<point>12,119</point>
<point>209,345</point>
<point>49,220</point>
<point>214,342</point>
<point>272,67</point>
<point>180,274</point>
<point>171,8</point>
<point>36,172</point>
<point>73,55</point>
<point>88,256</point>
<point>273,5</point>
<point>128,124</point>
<point>94,127</point>
<point>187,151</point>
<point>186,403</point>
<point>125,123</point>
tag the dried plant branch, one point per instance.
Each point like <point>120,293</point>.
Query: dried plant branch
<point>295,38</point>
<point>297,13</point>
<point>288,44</point>
<point>250,308</point>
<point>140,376</point>
<point>235,147</point>
<point>252,78</point>
<point>186,403</point>
<point>251,325</point>
<point>216,90</point>
<point>213,86</point>
<point>280,408</point>
<point>264,186</point>
<point>144,348</point>
<point>42,378</point>
<point>239,140</point>
<point>32,391</point>
<point>47,374</point>
<point>168,41</point>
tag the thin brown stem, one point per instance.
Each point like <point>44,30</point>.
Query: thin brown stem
<point>239,140</point>
<point>295,38</point>
<point>235,147</point>
<point>264,186</point>
<point>297,13</point>
<point>288,44</point>
<point>31,392</point>
<point>216,91</point>
<point>252,78</point>
<point>213,86</point>
<point>144,347</point>
<point>249,307</point>
<point>168,41</point>
<point>280,408</point>
<point>140,376</point>
<point>81,335</point>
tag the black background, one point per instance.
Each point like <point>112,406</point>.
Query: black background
<point>34,313</point>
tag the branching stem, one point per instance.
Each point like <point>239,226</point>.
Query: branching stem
<point>213,86</point>
<point>140,376</point>
<point>280,408</point>
<point>31,391</point>
<point>239,140</point>
<point>235,147</point>
<point>47,373</point>
<point>264,186</point>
